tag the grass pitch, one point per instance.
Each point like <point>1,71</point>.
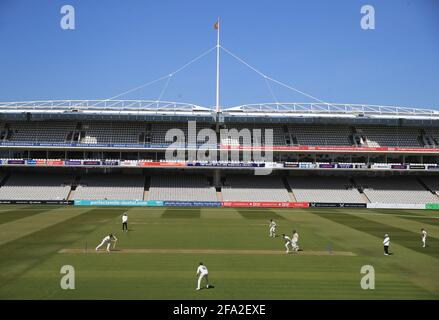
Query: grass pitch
<point>164,245</point>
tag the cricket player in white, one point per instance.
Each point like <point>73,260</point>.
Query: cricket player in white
<point>107,240</point>
<point>202,272</point>
<point>272,229</point>
<point>386,243</point>
<point>125,222</point>
<point>287,242</point>
<point>295,240</point>
<point>424,238</point>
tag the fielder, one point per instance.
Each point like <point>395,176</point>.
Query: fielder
<point>202,272</point>
<point>424,237</point>
<point>287,242</point>
<point>107,240</point>
<point>386,243</point>
<point>295,240</point>
<point>125,222</point>
<point>272,228</point>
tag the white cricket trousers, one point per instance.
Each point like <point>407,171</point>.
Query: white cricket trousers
<point>424,242</point>
<point>205,275</point>
<point>294,246</point>
<point>102,243</point>
<point>272,231</point>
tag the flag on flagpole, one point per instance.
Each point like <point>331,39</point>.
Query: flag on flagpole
<point>216,25</point>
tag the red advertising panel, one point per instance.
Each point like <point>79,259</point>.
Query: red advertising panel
<point>161,164</point>
<point>55,162</point>
<point>298,204</point>
<point>266,204</point>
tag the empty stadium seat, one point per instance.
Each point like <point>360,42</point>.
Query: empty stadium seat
<point>254,189</point>
<point>315,135</point>
<point>181,188</point>
<point>396,190</point>
<point>155,133</point>
<point>110,187</point>
<point>432,182</point>
<point>21,186</point>
<point>324,189</point>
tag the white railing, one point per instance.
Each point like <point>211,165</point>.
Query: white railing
<point>331,108</point>
<point>248,110</point>
<point>135,105</point>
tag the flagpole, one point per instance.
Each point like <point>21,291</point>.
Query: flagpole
<point>218,66</point>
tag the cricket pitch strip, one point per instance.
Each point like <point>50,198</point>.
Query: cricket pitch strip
<point>212,251</point>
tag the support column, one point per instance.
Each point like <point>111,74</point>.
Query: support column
<point>217,178</point>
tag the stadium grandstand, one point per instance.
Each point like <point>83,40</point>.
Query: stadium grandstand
<point>139,152</point>
<point>315,153</point>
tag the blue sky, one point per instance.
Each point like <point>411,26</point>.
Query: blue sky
<point>316,46</point>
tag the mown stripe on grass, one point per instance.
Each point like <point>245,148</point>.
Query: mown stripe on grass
<point>402,237</point>
<point>16,229</point>
<point>407,222</point>
<point>397,212</point>
<point>259,214</point>
<point>176,213</point>
<point>15,214</point>
<point>430,221</point>
<point>30,250</point>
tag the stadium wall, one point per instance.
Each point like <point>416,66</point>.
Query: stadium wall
<point>236,204</point>
<point>223,165</point>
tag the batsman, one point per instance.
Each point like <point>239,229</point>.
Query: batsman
<point>108,240</point>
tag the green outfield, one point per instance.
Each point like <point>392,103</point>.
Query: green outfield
<point>158,257</point>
